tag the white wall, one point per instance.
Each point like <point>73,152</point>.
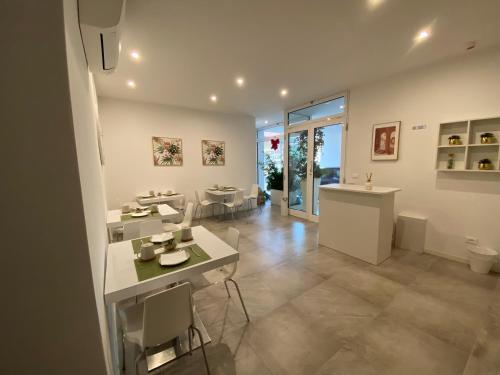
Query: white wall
<point>129,126</point>
<point>49,311</point>
<point>85,115</point>
<point>456,204</point>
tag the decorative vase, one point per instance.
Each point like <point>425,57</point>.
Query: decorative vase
<point>368,185</point>
<point>485,165</point>
<point>487,138</point>
<point>451,161</point>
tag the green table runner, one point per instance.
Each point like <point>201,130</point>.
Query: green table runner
<point>125,217</point>
<point>151,268</point>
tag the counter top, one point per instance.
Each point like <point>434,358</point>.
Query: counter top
<point>377,190</point>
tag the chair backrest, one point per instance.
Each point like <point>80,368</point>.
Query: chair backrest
<point>131,230</point>
<point>167,314</point>
<point>233,237</point>
<point>197,196</point>
<point>238,198</point>
<point>254,193</point>
<point>188,215</point>
<point>150,227</point>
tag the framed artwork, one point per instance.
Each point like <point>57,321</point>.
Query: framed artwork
<point>385,141</point>
<point>167,152</point>
<point>213,152</point>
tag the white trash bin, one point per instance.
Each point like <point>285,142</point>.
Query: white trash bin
<point>481,258</point>
<point>410,231</point>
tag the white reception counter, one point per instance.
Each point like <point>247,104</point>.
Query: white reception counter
<point>356,221</point>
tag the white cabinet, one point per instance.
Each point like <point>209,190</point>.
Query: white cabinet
<point>356,221</point>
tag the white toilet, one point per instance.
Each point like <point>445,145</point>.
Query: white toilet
<point>481,258</point>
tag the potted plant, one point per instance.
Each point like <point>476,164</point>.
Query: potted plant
<point>274,178</point>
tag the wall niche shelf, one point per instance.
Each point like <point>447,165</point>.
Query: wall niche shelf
<point>471,150</point>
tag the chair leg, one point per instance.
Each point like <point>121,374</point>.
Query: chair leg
<point>202,348</point>
<point>137,361</point>
<point>241,298</point>
<point>123,353</point>
<point>227,289</point>
<point>190,338</point>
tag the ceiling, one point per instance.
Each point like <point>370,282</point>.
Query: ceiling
<point>191,49</point>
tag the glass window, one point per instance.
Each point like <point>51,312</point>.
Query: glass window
<point>329,108</point>
<point>269,150</point>
<point>327,159</point>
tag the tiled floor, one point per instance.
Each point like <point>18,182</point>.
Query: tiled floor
<point>316,311</point>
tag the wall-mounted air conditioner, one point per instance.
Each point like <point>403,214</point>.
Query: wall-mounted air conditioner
<point>100,22</point>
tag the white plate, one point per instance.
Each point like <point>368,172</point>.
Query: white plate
<point>172,259</point>
<point>159,238</point>
<point>140,214</point>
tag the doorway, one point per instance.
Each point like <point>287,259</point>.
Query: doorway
<point>314,153</point>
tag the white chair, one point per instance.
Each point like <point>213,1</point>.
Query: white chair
<point>186,222</point>
<point>254,194</point>
<point>179,204</point>
<point>202,203</point>
<point>225,273</point>
<point>150,227</point>
<point>236,204</point>
<point>131,230</point>
<point>162,317</point>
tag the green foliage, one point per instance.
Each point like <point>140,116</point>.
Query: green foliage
<point>298,154</point>
<point>274,175</point>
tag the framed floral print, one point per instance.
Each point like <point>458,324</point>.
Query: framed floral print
<point>167,152</point>
<point>213,152</point>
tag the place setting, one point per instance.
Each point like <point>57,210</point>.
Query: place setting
<point>129,213</point>
<point>166,252</point>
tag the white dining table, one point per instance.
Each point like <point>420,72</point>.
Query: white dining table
<point>159,199</point>
<point>222,196</point>
<point>222,193</point>
<point>114,218</point>
<point>121,276</point>
<point>122,283</point>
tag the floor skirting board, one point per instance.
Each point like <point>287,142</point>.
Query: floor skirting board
<point>447,256</point>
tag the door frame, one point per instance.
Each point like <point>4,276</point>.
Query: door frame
<point>310,125</point>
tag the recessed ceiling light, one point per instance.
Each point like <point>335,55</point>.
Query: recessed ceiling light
<point>266,122</point>
<point>135,55</point>
<point>341,107</point>
<point>372,4</point>
<point>284,92</point>
<point>131,84</point>
<point>213,98</point>
<point>240,81</point>
<point>422,35</point>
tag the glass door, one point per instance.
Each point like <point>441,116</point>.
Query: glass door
<point>297,171</point>
<point>314,158</point>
